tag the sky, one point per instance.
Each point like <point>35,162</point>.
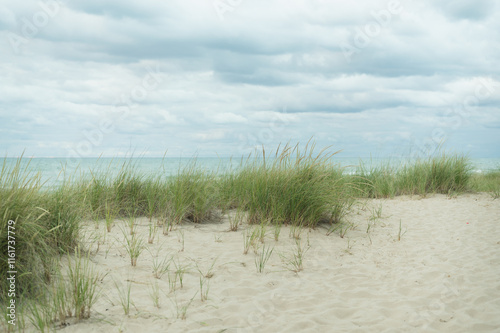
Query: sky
<point>86,78</point>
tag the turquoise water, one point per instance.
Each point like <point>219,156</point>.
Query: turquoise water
<point>53,170</point>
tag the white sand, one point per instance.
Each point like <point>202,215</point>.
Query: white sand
<point>442,276</point>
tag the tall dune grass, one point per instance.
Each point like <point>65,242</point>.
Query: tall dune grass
<point>192,195</point>
<point>107,193</point>
<point>443,174</point>
<point>64,213</point>
<point>487,182</point>
<point>292,185</point>
<point>38,233</point>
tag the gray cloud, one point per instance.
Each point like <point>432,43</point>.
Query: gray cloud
<point>156,76</point>
<point>467,9</point>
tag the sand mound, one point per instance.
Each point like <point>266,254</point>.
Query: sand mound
<point>441,276</point>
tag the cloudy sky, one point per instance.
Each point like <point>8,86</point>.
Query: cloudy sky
<point>206,77</point>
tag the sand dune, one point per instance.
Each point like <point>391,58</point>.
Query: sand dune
<point>441,276</point>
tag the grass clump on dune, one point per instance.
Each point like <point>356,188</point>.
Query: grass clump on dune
<point>441,174</point>
<point>190,195</point>
<point>438,174</point>
<point>64,213</point>
<point>19,202</point>
<point>375,182</point>
<point>293,185</point>
<point>193,195</point>
<point>487,182</point>
<point>120,195</point>
<point>46,224</point>
<point>46,221</point>
<point>290,186</point>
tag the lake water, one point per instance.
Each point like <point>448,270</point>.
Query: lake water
<point>51,169</point>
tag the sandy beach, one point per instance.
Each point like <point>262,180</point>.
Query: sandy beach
<point>441,275</point>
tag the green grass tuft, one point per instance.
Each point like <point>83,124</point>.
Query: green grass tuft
<point>438,174</point>
<point>293,185</point>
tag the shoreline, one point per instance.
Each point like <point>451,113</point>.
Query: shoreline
<point>52,167</point>
<point>302,230</point>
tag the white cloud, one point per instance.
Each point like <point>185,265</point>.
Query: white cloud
<point>227,118</point>
<point>209,135</point>
<point>270,72</point>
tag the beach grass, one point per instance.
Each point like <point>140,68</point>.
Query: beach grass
<point>124,296</point>
<point>486,182</point>
<point>443,173</point>
<point>292,185</point>
<point>134,247</point>
<point>28,230</point>
<point>154,293</point>
<point>295,262</point>
<point>262,258</point>
<point>83,286</point>
<point>288,186</point>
